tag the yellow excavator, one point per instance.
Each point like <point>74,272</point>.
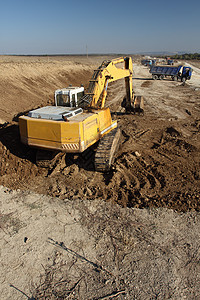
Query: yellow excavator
<point>78,120</point>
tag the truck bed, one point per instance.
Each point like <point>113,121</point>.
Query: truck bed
<point>165,70</point>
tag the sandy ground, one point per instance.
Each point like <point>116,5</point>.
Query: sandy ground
<point>155,181</point>
<point>52,249</point>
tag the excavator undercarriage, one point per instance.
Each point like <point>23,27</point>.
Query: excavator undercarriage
<point>105,154</point>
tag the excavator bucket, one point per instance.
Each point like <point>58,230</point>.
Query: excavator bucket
<point>138,104</point>
<point>136,107</point>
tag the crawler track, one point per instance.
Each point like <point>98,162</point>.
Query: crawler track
<point>107,148</point>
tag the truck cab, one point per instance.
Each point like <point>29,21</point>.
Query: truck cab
<point>69,96</point>
<point>187,72</point>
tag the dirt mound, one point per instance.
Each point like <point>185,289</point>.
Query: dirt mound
<point>154,168</point>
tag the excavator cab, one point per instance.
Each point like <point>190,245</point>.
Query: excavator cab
<point>69,96</point>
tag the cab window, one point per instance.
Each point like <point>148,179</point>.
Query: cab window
<point>73,100</point>
<point>79,96</point>
<point>63,100</point>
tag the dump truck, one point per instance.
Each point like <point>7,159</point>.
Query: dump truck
<point>175,72</point>
<point>79,120</point>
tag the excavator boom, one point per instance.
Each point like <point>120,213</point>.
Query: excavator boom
<point>109,71</point>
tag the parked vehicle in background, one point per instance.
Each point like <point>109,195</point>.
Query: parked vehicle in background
<point>148,62</point>
<point>170,62</point>
<point>180,72</point>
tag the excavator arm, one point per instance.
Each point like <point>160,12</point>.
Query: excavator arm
<point>106,73</point>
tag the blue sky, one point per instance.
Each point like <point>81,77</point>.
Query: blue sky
<point>112,26</point>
